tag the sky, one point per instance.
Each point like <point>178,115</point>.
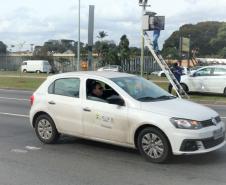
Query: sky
<point>25,22</point>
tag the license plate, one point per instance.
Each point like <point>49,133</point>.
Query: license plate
<point>218,133</point>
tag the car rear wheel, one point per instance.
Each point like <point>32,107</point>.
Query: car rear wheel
<point>38,72</point>
<point>153,145</point>
<point>225,91</point>
<point>24,71</point>
<point>46,130</point>
<point>163,75</point>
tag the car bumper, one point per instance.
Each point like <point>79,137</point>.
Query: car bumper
<point>187,142</point>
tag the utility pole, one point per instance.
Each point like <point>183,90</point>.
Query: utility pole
<point>90,37</point>
<point>78,47</point>
<point>143,4</point>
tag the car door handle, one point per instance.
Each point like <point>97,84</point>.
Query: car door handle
<point>51,102</point>
<point>86,109</point>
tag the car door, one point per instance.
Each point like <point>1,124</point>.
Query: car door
<point>198,80</point>
<point>103,120</point>
<point>218,80</point>
<point>64,103</point>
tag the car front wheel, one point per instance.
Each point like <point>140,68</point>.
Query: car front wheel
<point>185,87</point>
<point>153,145</point>
<point>46,130</point>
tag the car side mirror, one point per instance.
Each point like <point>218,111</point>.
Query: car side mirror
<point>116,100</point>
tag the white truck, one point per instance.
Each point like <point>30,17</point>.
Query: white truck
<point>37,66</point>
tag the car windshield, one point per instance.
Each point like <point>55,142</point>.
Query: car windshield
<point>142,89</point>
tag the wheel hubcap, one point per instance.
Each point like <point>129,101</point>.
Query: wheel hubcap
<point>152,145</point>
<point>45,129</point>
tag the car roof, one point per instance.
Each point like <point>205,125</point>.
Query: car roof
<point>105,74</point>
<point>223,66</point>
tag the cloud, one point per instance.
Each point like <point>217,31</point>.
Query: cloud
<point>38,21</point>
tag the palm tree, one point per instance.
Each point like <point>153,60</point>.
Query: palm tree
<point>101,35</point>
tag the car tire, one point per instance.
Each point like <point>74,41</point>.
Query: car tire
<point>185,87</point>
<point>163,75</point>
<point>153,145</point>
<point>45,129</point>
<point>224,91</point>
<point>38,72</point>
<point>24,71</point>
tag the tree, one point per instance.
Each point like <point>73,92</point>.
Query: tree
<point>134,51</point>
<point>203,36</point>
<point>222,53</point>
<point>219,41</point>
<point>101,35</point>
<point>3,48</point>
<point>124,50</point>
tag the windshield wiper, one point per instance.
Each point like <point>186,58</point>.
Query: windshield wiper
<point>165,97</point>
<point>146,98</point>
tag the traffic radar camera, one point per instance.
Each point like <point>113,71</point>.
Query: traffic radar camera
<point>152,22</point>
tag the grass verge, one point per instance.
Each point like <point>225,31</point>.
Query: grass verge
<point>20,83</point>
<point>25,82</point>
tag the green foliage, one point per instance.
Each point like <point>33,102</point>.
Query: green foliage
<point>171,53</point>
<point>124,50</point>
<point>101,35</point>
<point>208,37</point>
<point>134,51</point>
<point>107,52</point>
<point>3,48</point>
<point>222,53</point>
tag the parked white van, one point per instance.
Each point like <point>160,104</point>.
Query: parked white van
<point>38,66</point>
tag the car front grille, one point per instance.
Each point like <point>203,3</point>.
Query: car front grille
<point>208,123</point>
<point>209,143</point>
<point>191,145</point>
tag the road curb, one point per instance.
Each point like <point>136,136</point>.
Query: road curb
<point>209,102</point>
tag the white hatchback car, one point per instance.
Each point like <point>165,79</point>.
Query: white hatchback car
<point>211,79</point>
<point>131,112</point>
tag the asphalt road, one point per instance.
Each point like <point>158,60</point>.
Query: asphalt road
<point>25,161</point>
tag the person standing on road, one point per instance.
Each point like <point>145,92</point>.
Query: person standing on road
<point>177,72</point>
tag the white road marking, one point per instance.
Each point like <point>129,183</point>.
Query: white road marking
<point>214,105</point>
<point>16,115</point>
<point>32,148</point>
<point>12,90</point>
<point>223,117</point>
<point>18,99</point>
<point>19,151</point>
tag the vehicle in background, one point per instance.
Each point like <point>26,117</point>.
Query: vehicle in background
<point>115,68</point>
<point>128,111</point>
<point>162,73</point>
<point>37,66</point>
<point>210,79</point>
<point>195,68</point>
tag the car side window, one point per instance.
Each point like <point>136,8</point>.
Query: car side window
<point>220,72</point>
<point>66,87</point>
<point>204,72</point>
<point>102,92</point>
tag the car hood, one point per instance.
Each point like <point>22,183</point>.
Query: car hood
<point>179,108</point>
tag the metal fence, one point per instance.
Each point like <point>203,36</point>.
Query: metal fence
<point>60,62</point>
<point>66,63</point>
<point>133,65</point>
<point>11,63</point>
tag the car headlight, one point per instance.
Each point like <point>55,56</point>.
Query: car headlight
<point>186,123</point>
